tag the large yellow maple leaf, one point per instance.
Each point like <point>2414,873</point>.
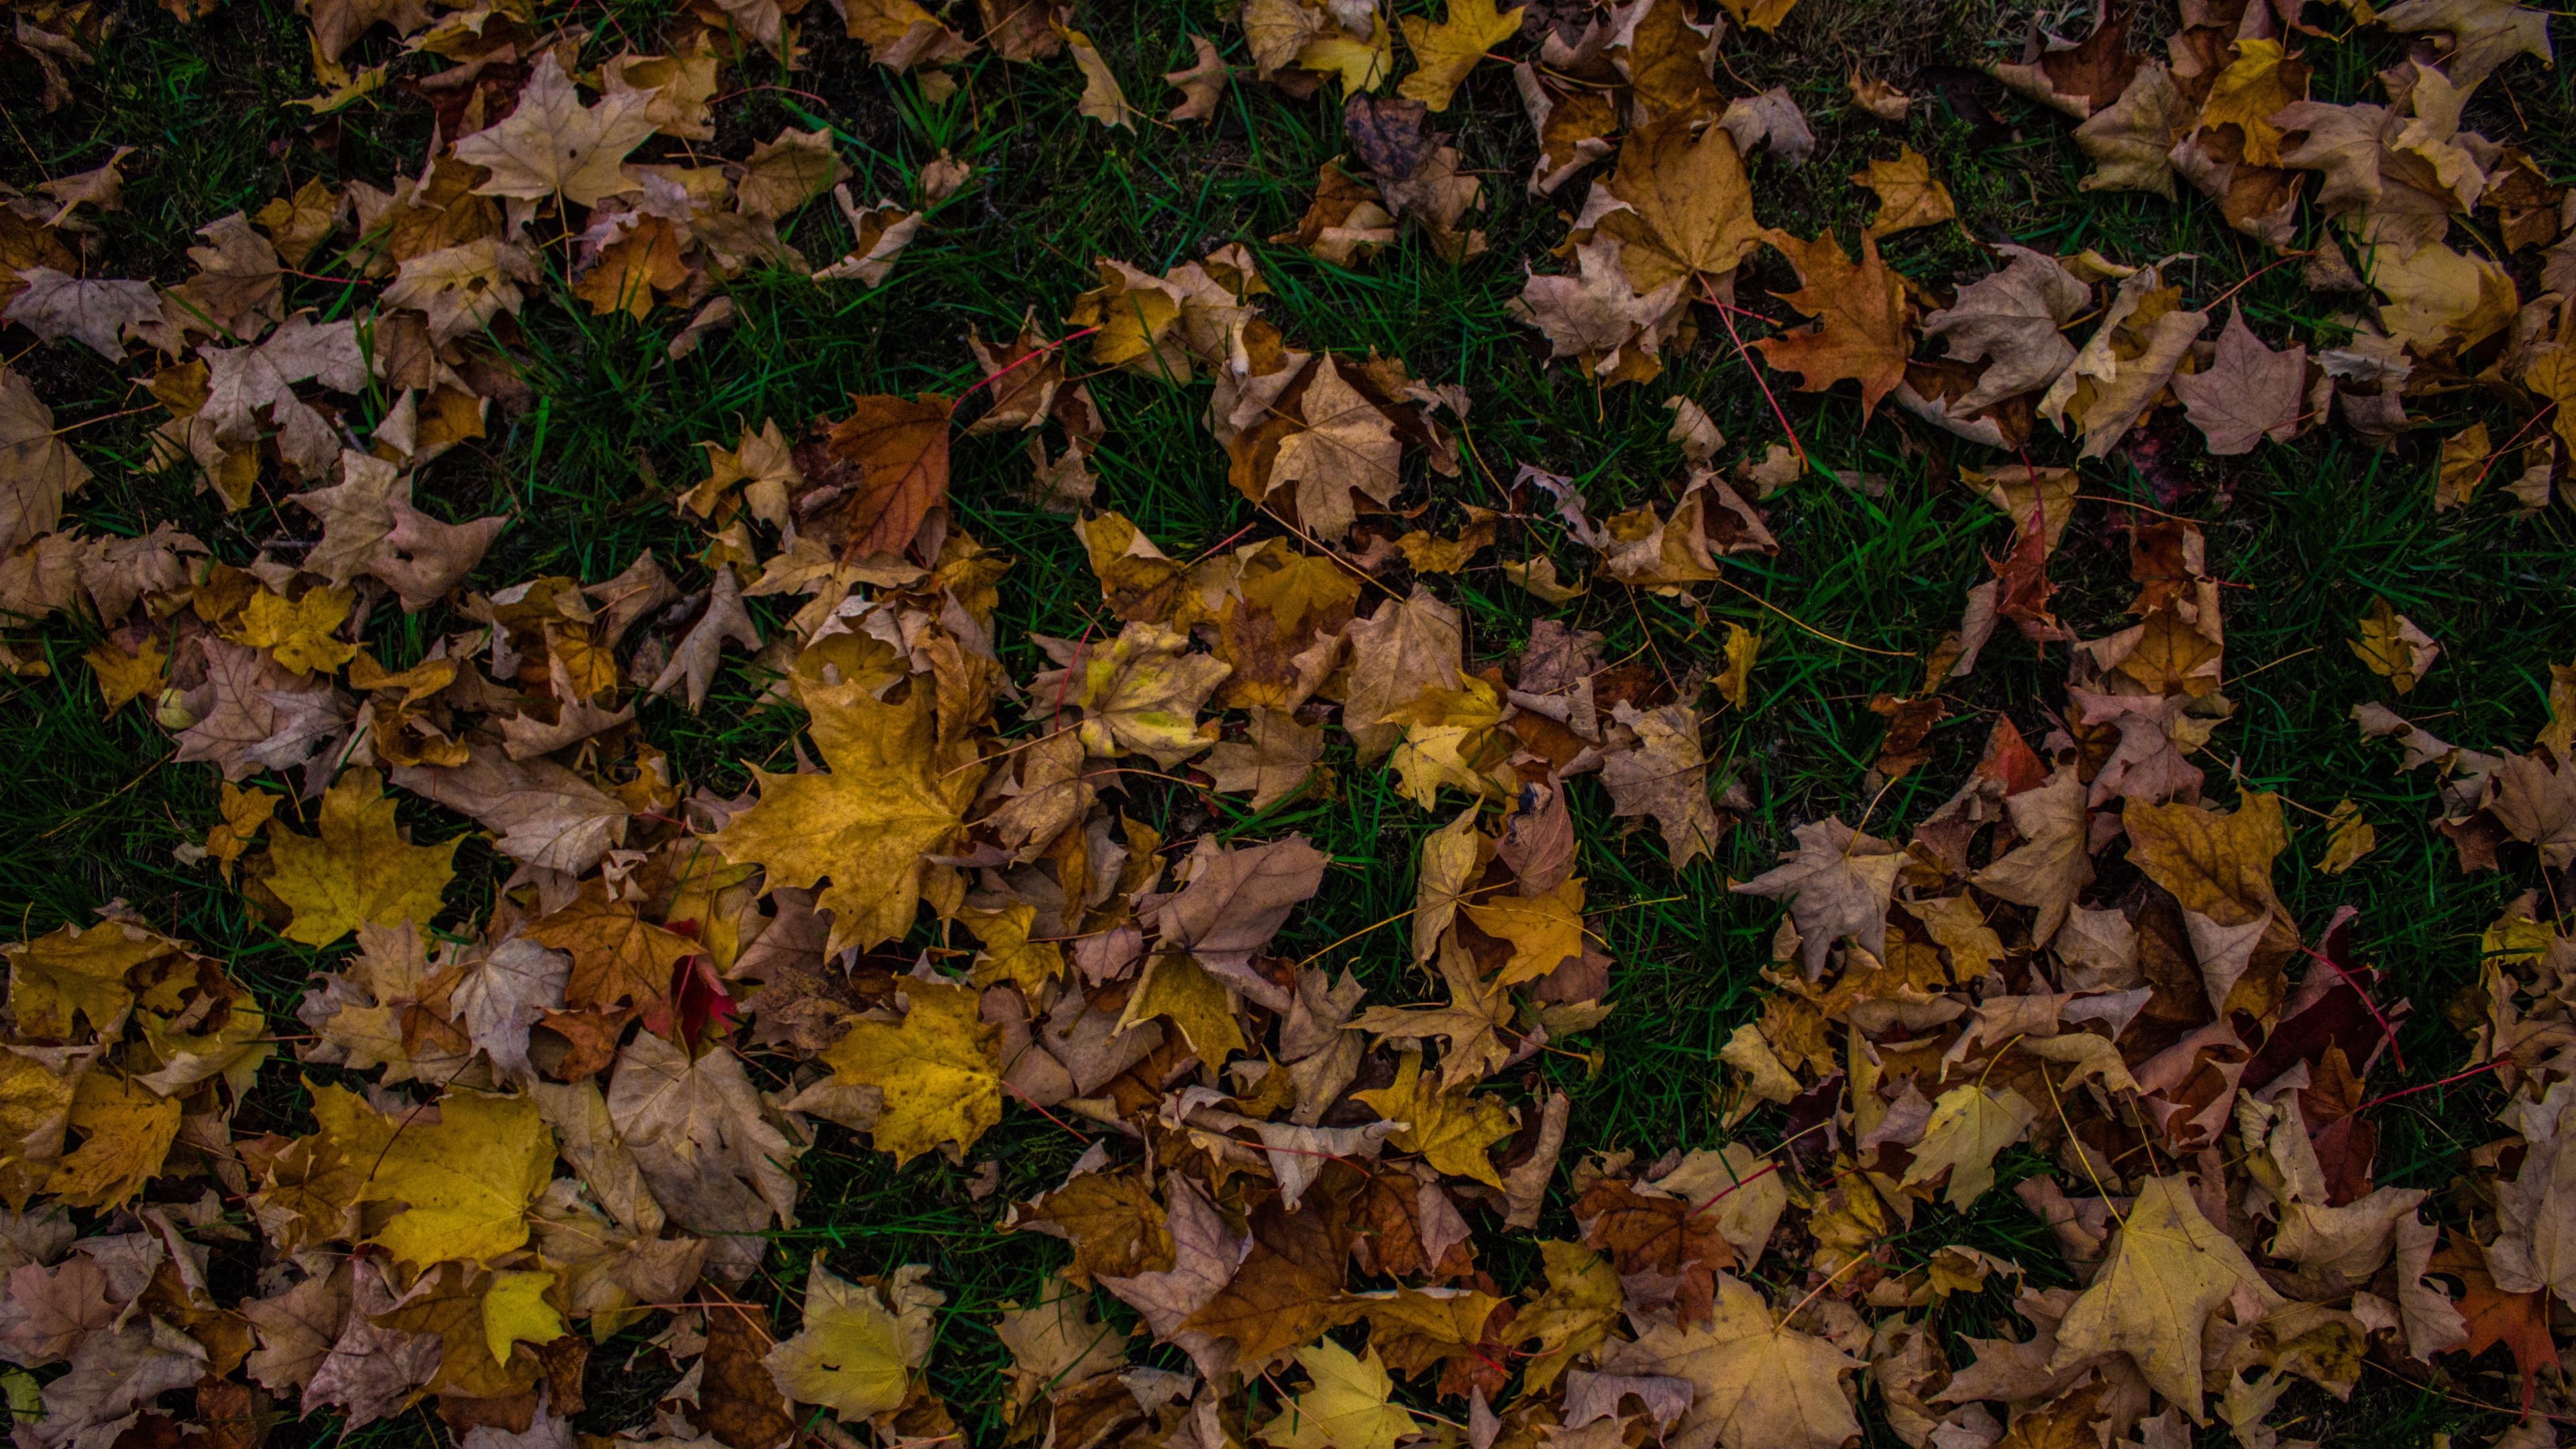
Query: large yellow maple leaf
<point>359,869</point>
<point>1758,1381</point>
<point>128,1129</point>
<point>1450,48</point>
<point>890,798</point>
<point>936,1069</point>
<point>467,1179</point>
<point>855,1356</point>
<point>2168,1271</point>
<point>1345,1407</point>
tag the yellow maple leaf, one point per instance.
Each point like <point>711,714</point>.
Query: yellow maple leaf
<point>1969,1125</point>
<point>71,973</point>
<point>1143,692</point>
<point>1764,15</point>
<point>35,1103</point>
<point>2254,88</point>
<point>1178,987</point>
<point>359,869</point>
<point>1453,737</point>
<point>128,1130</point>
<point>1009,954</point>
<point>2351,837</point>
<point>891,797</point>
<point>1757,1381</point>
<point>936,1069</point>
<point>246,813</point>
<point>1446,51</point>
<point>467,1179</point>
<point>1572,1317</point>
<point>1545,931</point>
<point>1345,1407</point>
<point>1909,195</point>
<point>854,1355</point>
<point>2169,1270</point>
<point>1361,63</point>
<point>299,634</point>
<point>515,1308</point>
<point>122,676</point>
<point>1452,1129</point>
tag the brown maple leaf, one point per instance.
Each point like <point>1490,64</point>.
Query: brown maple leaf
<point>2519,1321</point>
<point>617,956</point>
<point>900,451</point>
<point>2247,393</point>
<point>1863,329</point>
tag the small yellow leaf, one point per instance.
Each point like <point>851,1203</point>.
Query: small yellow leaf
<point>1908,194</point>
<point>1361,63</point>
<point>300,635</point>
<point>515,1308</point>
<point>1345,1407</point>
<point>1448,50</point>
<point>246,814</point>
<point>1764,15</point>
<point>1009,954</point>
<point>128,1129</point>
<point>2351,838</point>
<point>123,676</point>
<point>1178,987</point>
<point>1736,678</point>
<point>1102,100</point>
<point>1544,931</point>
<point>1452,1129</point>
<point>2393,647</point>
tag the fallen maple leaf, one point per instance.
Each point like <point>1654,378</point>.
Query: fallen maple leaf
<point>891,797</point>
<point>936,1069</point>
<point>1863,320</point>
<point>1666,775</point>
<point>2247,393</point>
<point>1755,1381</point>
<point>1908,195</point>
<point>2167,1272</point>
<point>554,145</point>
<point>1968,1126</point>
<point>618,957</point>
<point>855,1355</point>
<point>2011,319</point>
<point>901,452</point>
<point>1446,50</point>
<point>466,1181</point>
<point>1451,1129</point>
<point>2051,865</point>
<point>1838,882</point>
<point>1345,1403</point>
<point>1273,764</point>
<point>359,870</point>
<point>1690,210</point>
<point>37,468</point>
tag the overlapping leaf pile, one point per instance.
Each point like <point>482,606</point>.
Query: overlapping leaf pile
<point>543,1131</point>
